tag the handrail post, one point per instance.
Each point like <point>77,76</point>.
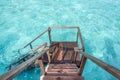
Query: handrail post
<point>31,46</point>
<point>82,61</point>
<point>82,64</point>
<point>77,37</point>
<point>81,40</point>
<point>49,34</point>
<point>41,65</point>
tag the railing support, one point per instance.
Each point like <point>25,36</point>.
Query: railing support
<point>15,71</point>
<point>49,34</point>
<point>77,36</point>
<point>82,64</point>
<point>41,65</point>
<point>81,40</point>
<point>74,56</point>
<point>31,46</point>
<point>112,70</point>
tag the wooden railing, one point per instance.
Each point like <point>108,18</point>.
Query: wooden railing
<point>15,71</point>
<point>78,36</point>
<point>50,36</point>
<point>112,70</point>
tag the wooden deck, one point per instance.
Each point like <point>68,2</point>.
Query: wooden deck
<point>62,65</point>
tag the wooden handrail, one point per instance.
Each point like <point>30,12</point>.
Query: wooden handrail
<point>81,40</point>
<point>49,30</point>
<point>112,70</point>
<point>49,35</point>
<point>29,53</point>
<point>36,38</point>
<point>32,51</point>
<point>59,27</point>
<point>15,71</point>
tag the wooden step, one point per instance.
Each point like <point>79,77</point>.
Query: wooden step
<point>61,73</point>
<point>62,70</point>
<point>63,78</point>
<point>62,66</point>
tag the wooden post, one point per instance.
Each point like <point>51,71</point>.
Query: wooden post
<point>77,36</point>
<point>82,64</point>
<point>41,65</point>
<point>73,57</point>
<point>31,46</point>
<point>49,34</point>
<point>48,55</point>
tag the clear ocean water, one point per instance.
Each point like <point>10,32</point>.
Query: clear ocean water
<point>99,21</point>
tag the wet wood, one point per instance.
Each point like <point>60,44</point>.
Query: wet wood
<point>62,72</point>
<point>112,70</point>
<point>15,71</point>
<point>65,66</point>
<point>82,64</point>
<point>64,52</point>
<point>41,65</point>
<point>62,66</point>
<point>63,78</point>
<point>49,34</point>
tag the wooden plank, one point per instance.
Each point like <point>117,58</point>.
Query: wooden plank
<point>61,70</point>
<point>66,71</point>
<point>112,70</point>
<point>63,78</point>
<point>64,52</point>
<point>49,34</point>
<point>83,62</point>
<point>61,74</point>
<point>53,46</point>
<point>41,65</point>
<point>15,71</point>
<point>62,27</point>
<point>65,66</point>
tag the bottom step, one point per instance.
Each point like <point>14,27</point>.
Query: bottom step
<point>62,78</point>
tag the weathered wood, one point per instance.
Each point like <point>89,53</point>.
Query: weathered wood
<point>112,70</point>
<point>41,65</point>
<point>65,66</point>
<point>74,56</point>
<point>54,54</point>
<point>81,40</point>
<point>83,61</point>
<point>48,55</point>
<point>49,34</point>
<point>35,38</point>
<point>64,52</point>
<point>61,65</point>
<point>63,78</point>
<point>26,56</point>
<point>63,27</point>
<point>77,36</point>
<point>66,71</point>
<point>15,71</point>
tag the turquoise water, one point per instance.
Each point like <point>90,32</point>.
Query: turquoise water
<point>99,21</point>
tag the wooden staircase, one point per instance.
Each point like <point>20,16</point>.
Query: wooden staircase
<point>65,71</point>
<point>66,60</point>
<point>62,66</point>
